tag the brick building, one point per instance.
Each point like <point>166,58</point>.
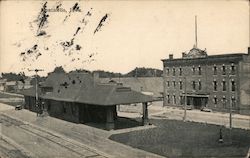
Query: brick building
<point>213,81</point>
<point>78,97</point>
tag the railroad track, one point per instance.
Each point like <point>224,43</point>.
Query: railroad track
<point>73,146</point>
<point>10,152</point>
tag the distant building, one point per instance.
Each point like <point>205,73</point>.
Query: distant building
<point>3,84</point>
<point>25,84</point>
<point>213,81</point>
<point>11,86</point>
<point>150,85</point>
<point>14,86</point>
<point>78,97</point>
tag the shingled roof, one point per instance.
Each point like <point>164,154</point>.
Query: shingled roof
<point>81,88</point>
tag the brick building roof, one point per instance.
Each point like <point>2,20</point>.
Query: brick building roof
<point>211,59</point>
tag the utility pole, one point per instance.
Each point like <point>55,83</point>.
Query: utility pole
<point>230,109</point>
<point>36,86</point>
<point>185,102</point>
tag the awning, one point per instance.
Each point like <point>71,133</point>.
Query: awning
<point>197,95</point>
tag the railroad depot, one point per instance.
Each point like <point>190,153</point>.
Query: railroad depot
<point>80,98</point>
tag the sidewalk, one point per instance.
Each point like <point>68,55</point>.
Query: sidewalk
<point>218,118</point>
<point>156,111</point>
<point>196,111</point>
<point>91,137</point>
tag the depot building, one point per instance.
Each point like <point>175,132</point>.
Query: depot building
<point>80,98</point>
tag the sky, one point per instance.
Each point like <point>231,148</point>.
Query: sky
<point>116,35</point>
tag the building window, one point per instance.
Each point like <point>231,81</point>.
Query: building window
<point>215,70</point>
<point>199,70</point>
<point>167,71</point>
<point>193,85</point>
<point>173,71</point>
<point>199,85</point>
<point>215,85</point>
<point>182,100</point>
<point>193,70</point>
<point>215,100</point>
<point>168,83</point>
<point>180,73</point>
<point>180,85</point>
<point>233,85</point>
<point>232,69</point>
<point>168,98</point>
<point>174,99</point>
<point>224,86</point>
<point>174,84</point>
<point>224,101</point>
<point>233,102</point>
<point>223,70</point>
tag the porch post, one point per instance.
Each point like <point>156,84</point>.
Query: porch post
<point>192,101</point>
<point>145,113</point>
<point>45,107</point>
<point>203,102</point>
<point>110,124</point>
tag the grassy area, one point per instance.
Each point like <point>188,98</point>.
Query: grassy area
<point>178,139</point>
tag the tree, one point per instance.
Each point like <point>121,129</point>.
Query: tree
<point>144,72</point>
<point>58,69</point>
<point>13,76</point>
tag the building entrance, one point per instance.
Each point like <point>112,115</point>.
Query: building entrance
<point>197,102</point>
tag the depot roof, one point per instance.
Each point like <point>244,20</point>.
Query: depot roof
<point>81,88</point>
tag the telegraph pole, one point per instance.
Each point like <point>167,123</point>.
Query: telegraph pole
<point>230,109</point>
<point>36,87</point>
<point>185,102</point>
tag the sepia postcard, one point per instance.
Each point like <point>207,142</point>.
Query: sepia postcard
<point>125,78</point>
